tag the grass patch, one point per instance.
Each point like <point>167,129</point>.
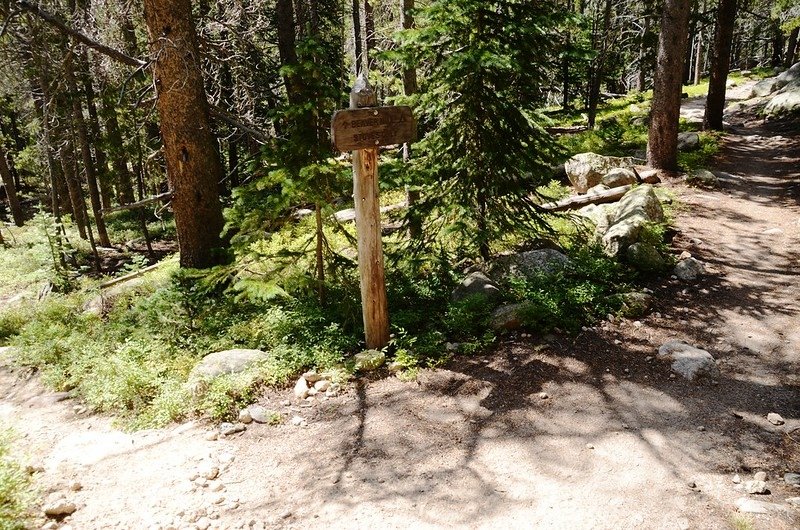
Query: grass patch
<point>16,493</point>
<point>700,158</point>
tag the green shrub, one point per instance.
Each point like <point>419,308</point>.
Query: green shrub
<point>16,494</point>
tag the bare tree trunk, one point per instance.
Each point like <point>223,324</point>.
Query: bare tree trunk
<point>662,148</point>
<point>720,64</point>
<point>287,50</point>
<point>791,47</point>
<point>597,69</point>
<point>67,156</point>
<point>698,59</point>
<point>190,151</point>
<point>86,152</point>
<point>11,189</point>
<point>410,87</point>
<point>369,35</point>
<point>357,42</point>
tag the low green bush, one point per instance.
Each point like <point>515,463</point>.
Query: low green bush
<point>16,491</point>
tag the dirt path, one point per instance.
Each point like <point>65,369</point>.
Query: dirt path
<point>617,443</point>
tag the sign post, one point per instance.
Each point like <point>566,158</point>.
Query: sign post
<point>362,129</point>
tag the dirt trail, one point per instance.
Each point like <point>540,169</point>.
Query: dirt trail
<point>616,444</point>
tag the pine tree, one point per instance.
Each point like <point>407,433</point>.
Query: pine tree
<point>484,66</point>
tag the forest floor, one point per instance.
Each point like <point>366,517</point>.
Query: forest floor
<point>617,442</point>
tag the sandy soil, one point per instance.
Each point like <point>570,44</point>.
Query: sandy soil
<point>618,443</point>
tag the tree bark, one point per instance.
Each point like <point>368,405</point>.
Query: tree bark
<point>410,87</point>
<point>791,47</point>
<point>67,156</point>
<point>11,189</point>
<point>287,50</point>
<point>193,164</point>
<point>720,64</point>
<point>662,148</point>
<point>357,42</point>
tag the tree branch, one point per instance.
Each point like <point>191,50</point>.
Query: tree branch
<point>231,120</point>
<point>53,20</point>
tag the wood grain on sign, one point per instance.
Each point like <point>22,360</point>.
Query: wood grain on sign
<point>354,129</point>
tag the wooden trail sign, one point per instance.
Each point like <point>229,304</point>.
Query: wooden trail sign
<point>362,129</point>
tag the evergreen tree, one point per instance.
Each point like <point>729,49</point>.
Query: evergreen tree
<point>485,66</point>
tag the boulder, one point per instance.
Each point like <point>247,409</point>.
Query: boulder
<point>689,269</point>
<point>702,177</point>
<point>644,257</point>
<point>688,141</point>
<point>786,102</point>
<point>586,170</point>
<point>508,317</point>
<point>688,361</point>
<point>636,209</point>
<point>226,362</point>
<point>765,87</point>
<point>599,214</point>
<point>529,263</point>
<point>476,284</point>
<point>621,176</point>
<point>369,360</point>
<point>792,75</point>
<point>635,305</point>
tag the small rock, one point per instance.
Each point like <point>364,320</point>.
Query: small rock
<point>259,414</point>
<point>201,482</point>
<point>301,388</point>
<point>299,421</point>
<point>745,505</point>
<point>210,473</point>
<point>589,446</point>
<point>225,458</point>
<point>203,523</point>
<point>216,486</point>
<point>688,361</point>
<point>543,395</point>
<point>312,377</point>
<point>761,476</point>
<point>313,391</point>
<point>689,269</point>
<point>701,428</point>
<point>737,479</point>
<point>691,485</point>
<point>322,385</point>
<point>775,418</point>
<point>52,525</point>
<point>227,429</point>
<point>245,417</point>
<point>75,486</point>
<point>58,507</point>
<point>793,479</point>
<point>755,487</point>
<point>212,436</point>
<point>369,360</point>
<point>794,501</point>
<point>217,499</point>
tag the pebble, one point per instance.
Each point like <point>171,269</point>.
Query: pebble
<point>52,525</point>
<point>227,429</point>
<point>202,524</point>
<point>75,486</point>
<point>301,388</point>
<point>216,486</point>
<point>217,499</point>
<point>589,446</point>
<point>761,476</point>
<point>737,479</point>
<point>322,386</point>
<point>701,428</point>
<point>543,395</point>
<point>259,414</point>
<point>210,473</point>
<point>225,458</point>
<point>637,324</point>
<point>794,501</point>
<point>775,418</point>
<point>212,436</point>
<point>58,507</point>
<point>793,479</point>
<point>299,421</point>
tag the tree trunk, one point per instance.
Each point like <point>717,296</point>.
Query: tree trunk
<point>791,47</point>
<point>698,59</point>
<point>597,69</point>
<point>86,152</point>
<point>720,64</point>
<point>193,164</point>
<point>369,35</point>
<point>11,189</point>
<point>119,158</point>
<point>287,50</point>
<point>410,87</point>
<point>662,149</point>
<point>357,42</point>
<point>67,156</point>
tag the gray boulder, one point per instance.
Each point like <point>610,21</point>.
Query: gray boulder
<point>644,257</point>
<point>786,102</point>
<point>586,170</point>
<point>792,75</point>
<point>621,176</point>
<point>476,283</point>
<point>689,269</point>
<point>634,211</point>
<point>529,263</point>
<point>369,360</point>
<point>226,362</point>
<point>688,361</point>
<point>688,141</point>
<point>765,87</point>
<point>599,214</point>
<point>635,305</point>
<point>702,177</point>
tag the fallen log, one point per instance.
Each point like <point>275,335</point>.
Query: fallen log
<point>139,204</point>
<point>579,201</point>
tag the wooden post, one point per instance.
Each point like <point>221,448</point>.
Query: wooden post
<point>374,307</point>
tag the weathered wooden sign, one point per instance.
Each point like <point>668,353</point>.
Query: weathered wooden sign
<point>363,128</point>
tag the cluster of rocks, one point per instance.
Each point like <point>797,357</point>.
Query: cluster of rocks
<point>312,384</point>
<point>590,172</point>
<point>758,486</point>
<point>781,94</point>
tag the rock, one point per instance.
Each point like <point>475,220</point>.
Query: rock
<point>794,501</point>
<point>530,263</point>
<point>617,177</point>
<point>298,421</point>
<point>689,269</point>
<point>226,362</point>
<point>745,505</point>
<point>765,87</point>
<point>210,472</point>
<point>259,414</point>
<point>761,476</point>
<point>216,486</point>
<point>312,377</point>
<point>600,188</point>
<point>245,417</point>
<point>227,429</point>
<point>635,305</point>
<point>301,388</point>
<point>58,507</point>
<point>508,317</point>
<point>476,284</point>
<point>755,487</point>
<point>599,214</point>
<point>369,360</point>
<point>688,361</point>
<point>789,76</point>
<point>644,257</point>
<point>543,395</point>
<point>785,102</point>
<point>74,485</point>
<point>586,170</point>
<point>775,418</point>
<point>322,386</point>
<point>688,141</point>
<point>792,479</point>
<point>737,479</point>
<point>211,436</point>
<point>204,523</point>
<point>394,367</point>
<point>635,210</point>
<point>702,177</point>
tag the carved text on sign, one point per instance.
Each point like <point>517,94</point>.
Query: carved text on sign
<point>354,129</point>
